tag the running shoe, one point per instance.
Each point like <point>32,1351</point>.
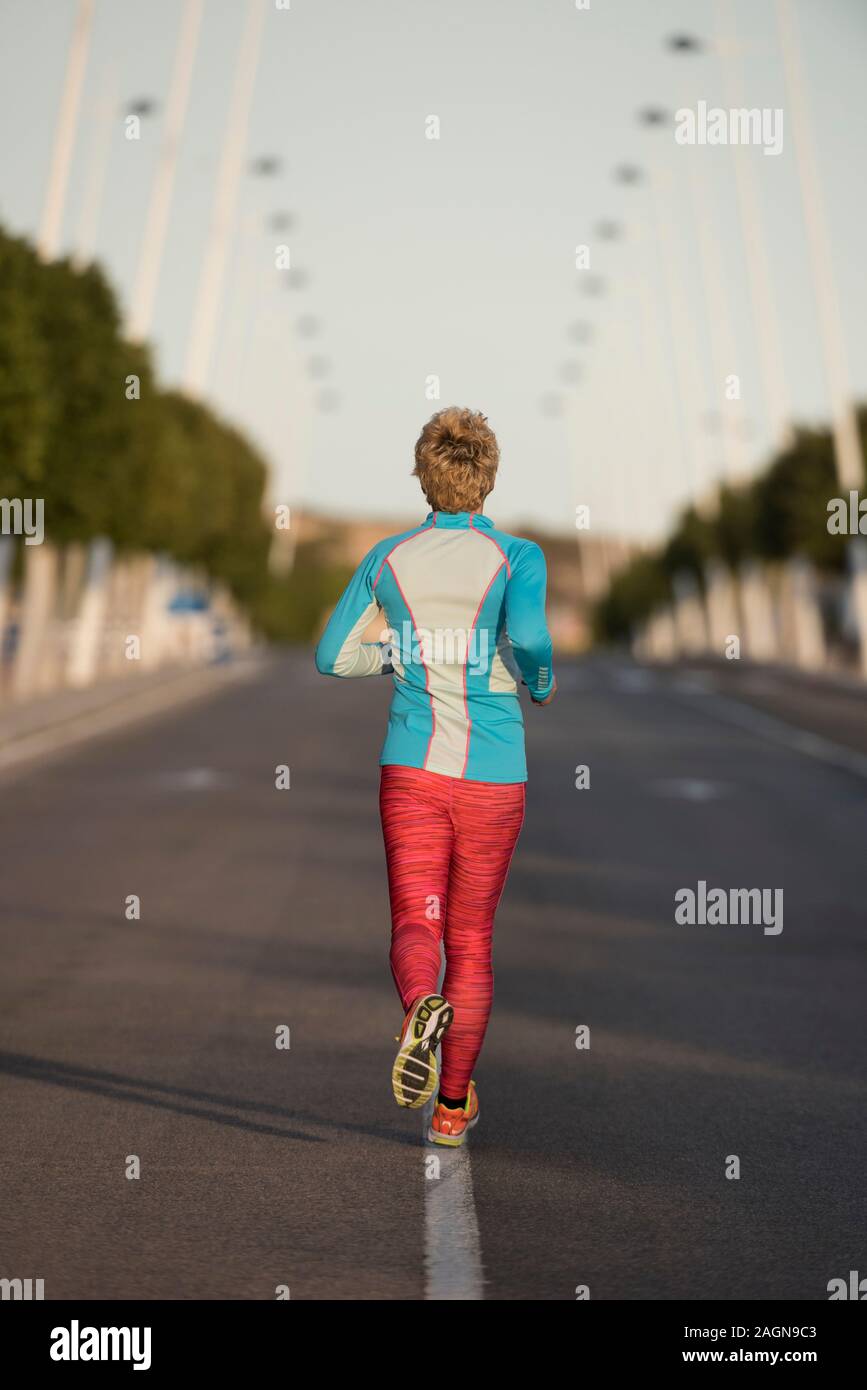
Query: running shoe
<point>414,1075</point>
<point>451,1127</point>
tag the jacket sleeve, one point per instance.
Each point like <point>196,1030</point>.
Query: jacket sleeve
<point>341,651</point>
<point>525,620</point>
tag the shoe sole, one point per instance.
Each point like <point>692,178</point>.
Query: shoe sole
<point>415,1074</point>
<point>451,1141</point>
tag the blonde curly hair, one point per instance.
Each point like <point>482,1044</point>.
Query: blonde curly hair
<point>456,458</point>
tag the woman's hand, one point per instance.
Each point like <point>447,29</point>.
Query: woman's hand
<point>549,697</point>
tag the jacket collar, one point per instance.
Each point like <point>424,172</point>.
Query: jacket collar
<point>459,519</point>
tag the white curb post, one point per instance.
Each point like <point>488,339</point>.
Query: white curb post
<point>722,605</point>
<point>761,641</point>
<point>37,611</point>
<point>7,556</point>
<point>690,619</point>
<point>87,634</point>
<point>805,636</point>
<point>658,638</point>
<point>156,623</point>
<point>857,556</point>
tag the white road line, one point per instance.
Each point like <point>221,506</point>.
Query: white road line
<point>767,726</point>
<point>452,1249</point>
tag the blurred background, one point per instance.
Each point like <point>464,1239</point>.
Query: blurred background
<point>240,268</point>
<point>247,248</point>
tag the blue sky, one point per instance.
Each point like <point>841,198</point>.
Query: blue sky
<point>456,257</point>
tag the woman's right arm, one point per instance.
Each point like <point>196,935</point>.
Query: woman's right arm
<point>341,651</point>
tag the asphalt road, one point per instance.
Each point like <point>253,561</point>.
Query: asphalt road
<point>260,908</point>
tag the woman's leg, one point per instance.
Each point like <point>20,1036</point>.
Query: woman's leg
<point>487,818</point>
<point>417,829</point>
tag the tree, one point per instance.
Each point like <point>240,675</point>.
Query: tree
<point>643,586</point>
<point>26,402</point>
<point>792,503</point>
<point>89,481</point>
<point>735,524</point>
<point>690,546</point>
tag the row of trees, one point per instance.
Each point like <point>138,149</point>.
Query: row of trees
<point>781,513</point>
<point>85,425</point>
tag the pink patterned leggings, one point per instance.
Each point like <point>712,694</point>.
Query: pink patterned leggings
<point>448,846</point>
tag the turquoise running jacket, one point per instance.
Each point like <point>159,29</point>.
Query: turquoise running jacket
<point>463,608</point>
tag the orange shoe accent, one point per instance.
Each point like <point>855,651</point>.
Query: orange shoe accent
<point>450,1127</point>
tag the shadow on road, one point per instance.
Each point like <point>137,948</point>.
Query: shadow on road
<point>113,1086</point>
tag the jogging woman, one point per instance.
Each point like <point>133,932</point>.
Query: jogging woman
<point>464,610</point>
